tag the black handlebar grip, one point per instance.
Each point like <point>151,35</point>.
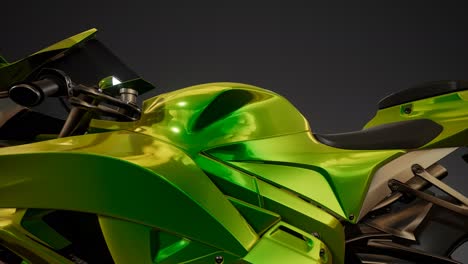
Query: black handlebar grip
<point>33,93</point>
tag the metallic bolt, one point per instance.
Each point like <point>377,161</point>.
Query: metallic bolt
<point>219,259</point>
<point>351,217</point>
<point>316,234</point>
<point>417,168</point>
<point>322,252</point>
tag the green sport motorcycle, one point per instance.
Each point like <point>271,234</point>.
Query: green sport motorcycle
<point>218,172</point>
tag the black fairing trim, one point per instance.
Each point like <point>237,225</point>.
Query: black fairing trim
<point>91,62</point>
<point>84,231</point>
<point>422,91</point>
<point>398,135</point>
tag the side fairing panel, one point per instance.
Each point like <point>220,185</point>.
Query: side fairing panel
<point>285,161</point>
<point>134,177</point>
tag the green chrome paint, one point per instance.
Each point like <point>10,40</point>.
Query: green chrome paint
<point>260,219</point>
<point>182,250</point>
<point>165,253</point>
<point>230,181</point>
<point>288,205</point>
<point>280,246</point>
<point>256,132</point>
<point>348,172</point>
<point>154,175</point>
<point>128,242</point>
<point>305,216</point>
<point>21,242</point>
<point>174,117</point>
<point>305,182</point>
<point>448,110</point>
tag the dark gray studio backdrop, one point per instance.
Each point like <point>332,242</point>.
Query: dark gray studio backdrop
<point>333,62</point>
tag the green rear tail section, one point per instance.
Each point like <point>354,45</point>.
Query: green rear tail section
<point>448,110</point>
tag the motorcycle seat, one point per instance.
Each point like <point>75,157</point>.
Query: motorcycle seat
<point>408,134</point>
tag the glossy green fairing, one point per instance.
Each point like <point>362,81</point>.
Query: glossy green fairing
<point>292,209</point>
<point>134,177</point>
<point>200,118</point>
<point>342,174</point>
<point>204,116</point>
<point>158,154</point>
<point>448,110</point>
<point>261,139</point>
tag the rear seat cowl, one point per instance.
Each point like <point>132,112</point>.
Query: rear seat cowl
<point>422,91</point>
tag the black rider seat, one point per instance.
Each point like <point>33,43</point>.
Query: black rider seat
<point>409,134</point>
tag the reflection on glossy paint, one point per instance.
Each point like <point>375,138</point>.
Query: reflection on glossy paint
<point>6,215</point>
<point>172,249</point>
<point>5,222</point>
<point>182,103</point>
<point>7,211</point>
<point>68,142</point>
<point>175,129</point>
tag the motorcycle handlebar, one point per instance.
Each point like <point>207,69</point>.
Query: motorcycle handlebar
<point>51,82</point>
<point>33,93</point>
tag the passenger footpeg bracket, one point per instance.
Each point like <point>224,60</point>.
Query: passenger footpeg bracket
<point>419,171</point>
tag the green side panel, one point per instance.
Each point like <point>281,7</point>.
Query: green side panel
<point>19,70</point>
<point>135,243</point>
<point>259,218</point>
<point>230,181</point>
<point>448,110</point>
<point>305,216</point>
<point>289,206</point>
<point>348,172</point>
<point>127,242</point>
<point>308,183</point>
<point>17,239</point>
<point>285,243</point>
<point>138,170</point>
